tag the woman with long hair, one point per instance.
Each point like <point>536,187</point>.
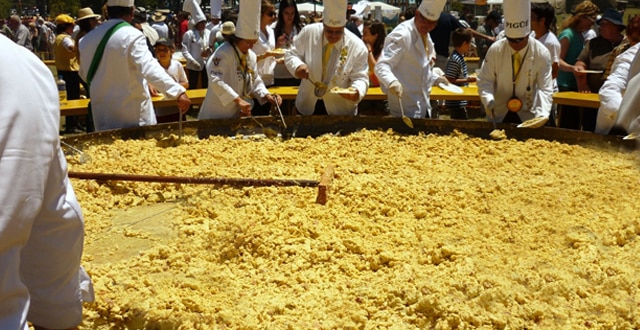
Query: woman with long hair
<point>287,28</point>
<point>571,44</point>
<point>373,34</point>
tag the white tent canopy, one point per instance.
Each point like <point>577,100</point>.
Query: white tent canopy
<point>308,7</point>
<point>365,8</point>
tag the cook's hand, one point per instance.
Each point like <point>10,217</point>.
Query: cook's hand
<point>441,79</point>
<point>274,99</point>
<point>197,65</point>
<point>487,109</point>
<point>578,71</point>
<point>582,85</point>
<point>396,88</point>
<point>153,91</point>
<point>351,96</point>
<point>184,103</point>
<point>302,72</point>
<point>245,107</point>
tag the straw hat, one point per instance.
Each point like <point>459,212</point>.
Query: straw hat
<point>228,28</point>
<point>86,13</point>
<point>158,17</point>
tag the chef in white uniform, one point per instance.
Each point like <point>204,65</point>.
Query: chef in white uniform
<point>614,89</point>
<point>232,71</point>
<point>628,118</point>
<point>405,67</point>
<point>329,54</point>
<point>119,90</point>
<point>521,58</point>
<point>196,47</point>
<point>41,224</point>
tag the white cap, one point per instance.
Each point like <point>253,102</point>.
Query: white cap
<point>248,25</point>
<point>335,13</point>
<point>517,18</point>
<point>431,9</point>
<point>193,7</point>
<point>216,8</point>
<point>120,3</point>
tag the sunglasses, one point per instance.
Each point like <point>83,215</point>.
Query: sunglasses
<point>515,40</point>
<point>272,14</point>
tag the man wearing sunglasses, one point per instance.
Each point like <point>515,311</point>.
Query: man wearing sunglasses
<point>515,82</point>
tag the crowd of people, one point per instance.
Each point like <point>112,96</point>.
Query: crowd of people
<point>581,59</point>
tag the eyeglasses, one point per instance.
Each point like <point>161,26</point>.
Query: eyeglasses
<point>515,40</point>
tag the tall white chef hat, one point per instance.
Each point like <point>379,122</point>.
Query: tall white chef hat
<point>216,8</point>
<point>335,13</point>
<point>193,7</point>
<point>120,3</point>
<point>517,18</point>
<point>248,25</point>
<point>431,9</point>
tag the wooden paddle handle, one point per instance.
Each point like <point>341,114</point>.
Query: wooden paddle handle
<point>245,182</point>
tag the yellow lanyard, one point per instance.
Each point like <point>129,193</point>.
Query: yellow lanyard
<point>325,58</point>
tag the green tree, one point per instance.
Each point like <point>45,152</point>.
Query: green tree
<point>5,8</point>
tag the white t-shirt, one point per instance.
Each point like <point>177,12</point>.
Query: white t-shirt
<point>176,71</point>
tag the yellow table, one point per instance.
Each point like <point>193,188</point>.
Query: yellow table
<point>470,93</point>
<point>587,100</point>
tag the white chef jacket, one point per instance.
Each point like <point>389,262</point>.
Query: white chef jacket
<point>41,224</point>
<point>534,86</point>
<point>267,65</point>
<point>227,81</point>
<point>119,91</point>
<point>613,90</point>
<point>629,113</point>
<point>194,43</point>
<point>404,58</point>
<point>347,67</point>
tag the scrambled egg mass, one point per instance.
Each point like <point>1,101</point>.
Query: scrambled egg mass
<point>419,232</point>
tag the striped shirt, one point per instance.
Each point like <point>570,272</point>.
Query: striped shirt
<point>456,69</point>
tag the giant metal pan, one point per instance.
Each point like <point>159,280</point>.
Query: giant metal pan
<point>303,126</point>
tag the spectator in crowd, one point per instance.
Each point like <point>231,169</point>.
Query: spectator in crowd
<point>287,28</point>
<point>615,85</point>
<point>405,69</point>
<point>182,28</point>
<point>160,25</point>
<point>329,56</point>
<point>488,29</point>
<point>441,34</point>
<point>66,59</point>
<point>456,71</point>
<point>515,83</point>
<point>374,33</point>
<point>195,46</point>
<point>41,223</point>
<point>264,52</point>
<point>123,73</point>
<point>233,71</point>
<point>595,56</point>
<point>164,53</point>
<point>542,20</point>
<point>21,34</point>
<point>571,45</point>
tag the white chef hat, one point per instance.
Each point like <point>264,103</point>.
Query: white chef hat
<point>335,13</point>
<point>248,25</point>
<point>431,9</point>
<point>216,8</point>
<point>193,7</point>
<point>517,18</point>
<point>120,3</point>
